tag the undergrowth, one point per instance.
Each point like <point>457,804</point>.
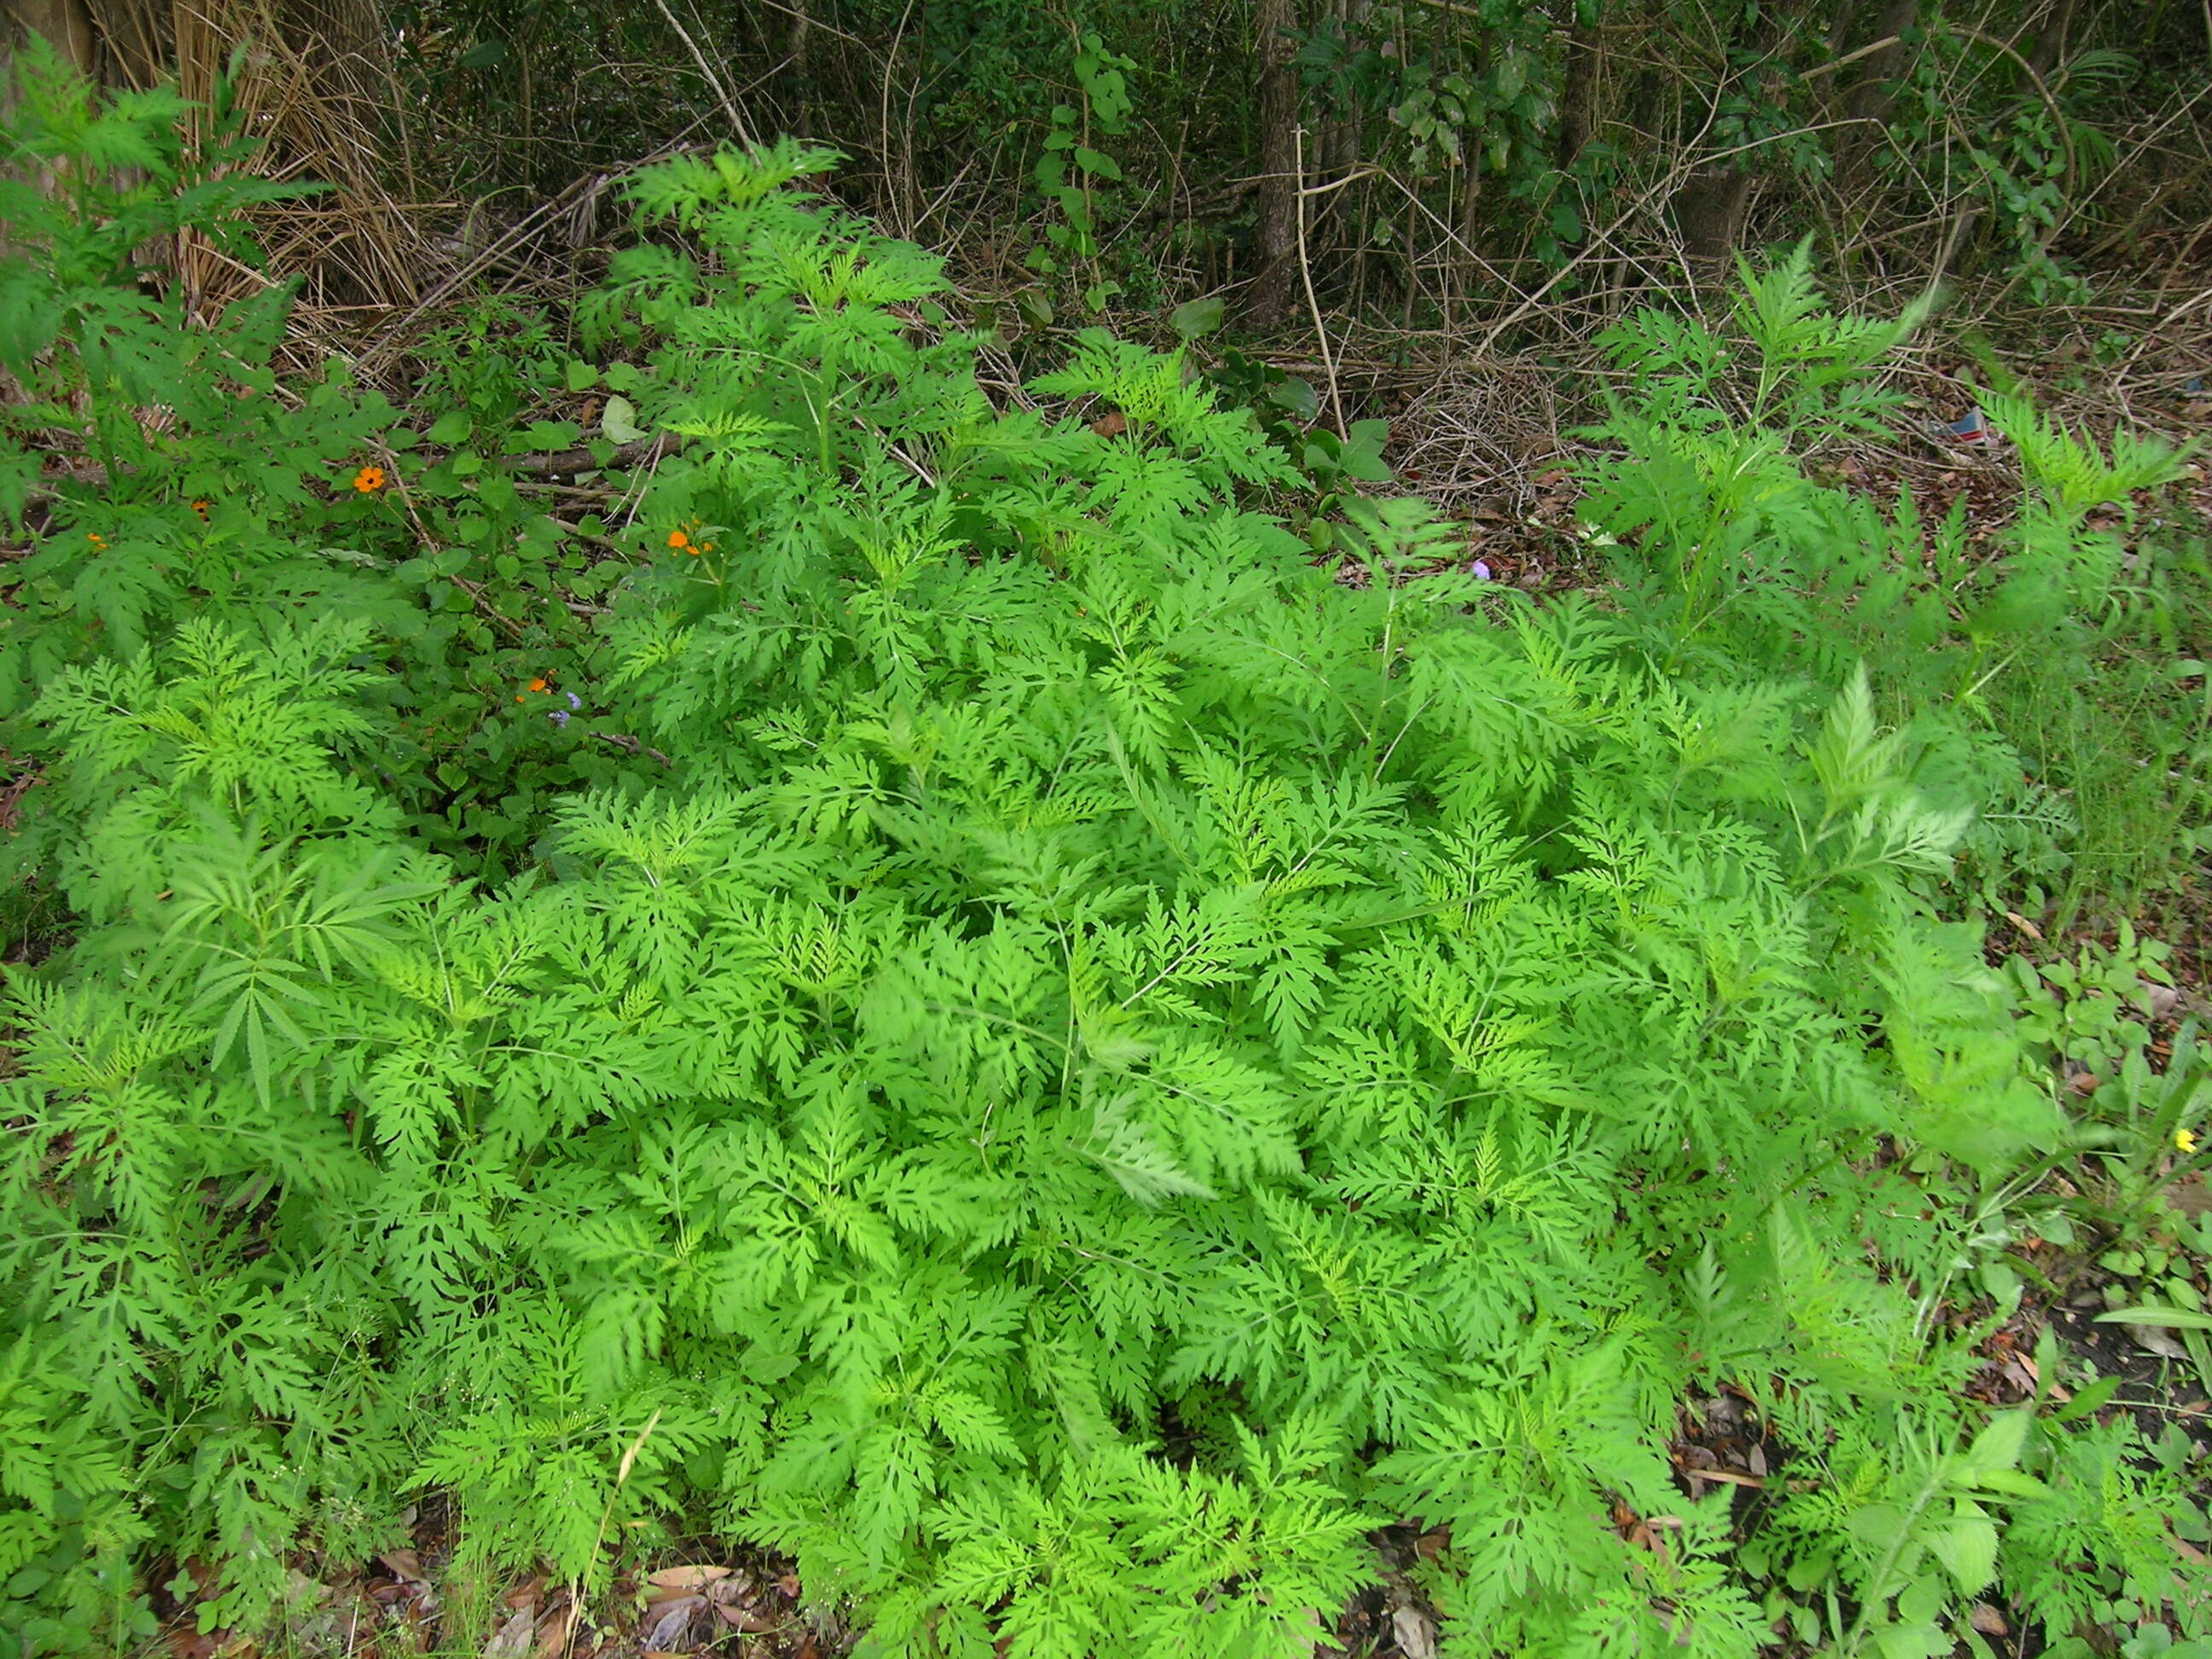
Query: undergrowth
<point>1108,1059</point>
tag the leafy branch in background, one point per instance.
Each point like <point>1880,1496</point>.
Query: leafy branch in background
<point>1073,171</point>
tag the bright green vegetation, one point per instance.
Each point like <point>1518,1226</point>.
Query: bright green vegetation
<point>1109,1058</point>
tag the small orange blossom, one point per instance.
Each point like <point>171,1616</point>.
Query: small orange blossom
<point>368,480</point>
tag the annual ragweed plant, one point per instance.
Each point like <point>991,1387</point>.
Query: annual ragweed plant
<point>1102,1062</point>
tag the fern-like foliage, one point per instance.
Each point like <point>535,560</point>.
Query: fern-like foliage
<point>1113,1062</point>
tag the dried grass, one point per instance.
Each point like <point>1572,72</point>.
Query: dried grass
<point>1481,434</point>
<point>314,84</point>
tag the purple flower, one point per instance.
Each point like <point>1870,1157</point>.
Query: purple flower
<point>576,703</point>
<point>559,717</point>
<point>1481,571</point>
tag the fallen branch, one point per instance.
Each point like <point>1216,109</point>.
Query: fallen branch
<point>569,462</point>
<point>630,745</point>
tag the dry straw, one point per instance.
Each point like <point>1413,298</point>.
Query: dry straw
<point>314,83</point>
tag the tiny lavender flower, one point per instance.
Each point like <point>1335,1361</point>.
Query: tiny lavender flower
<point>1481,571</point>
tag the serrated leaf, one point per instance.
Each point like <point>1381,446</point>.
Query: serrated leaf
<point>1967,1547</point>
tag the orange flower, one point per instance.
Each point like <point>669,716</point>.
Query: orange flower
<point>96,539</point>
<point>368,480</point>
<point>676,538</point>
<point>704,547</point>
<point>200,508</point>
<point>540,683</point>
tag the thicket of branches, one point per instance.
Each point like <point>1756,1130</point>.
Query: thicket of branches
<point>1427,160</point>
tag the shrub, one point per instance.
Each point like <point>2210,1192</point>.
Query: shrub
<point>1111,1060</point>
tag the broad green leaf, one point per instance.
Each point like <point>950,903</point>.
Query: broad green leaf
<point>618,421</point>
<point>2180,1319</point>
<point>1195,318</point>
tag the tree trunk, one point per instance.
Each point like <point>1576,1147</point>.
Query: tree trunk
<point>1579,95</point>
<point>802,69</point>
<point>1272,21</point>
<point>1335,219</point>
<point>66,24</point>
<point>1710,211</point>
<point>135,35</point>
<point>1872,92</point>
<point>2050,49</point>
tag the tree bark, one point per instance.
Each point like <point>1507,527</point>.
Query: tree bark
<point>1709,209</point>
<point>66,24</point>
<point>802,69</point>
<point>1579,95</point>
<point>2050,39</point>
<point>1272,21</point>
<point>1872,94</point>
<point>133,32</point>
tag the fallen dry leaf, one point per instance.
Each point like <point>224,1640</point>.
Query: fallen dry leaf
<point>751,1623</point>
<point>671,1621</point>
<point>1415,1631</point>
<point>1987,1620</point>
<point>2153,1340</point>
<point>512,1639</point>
<point>686,1578</point>
<point>553,1633</point>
